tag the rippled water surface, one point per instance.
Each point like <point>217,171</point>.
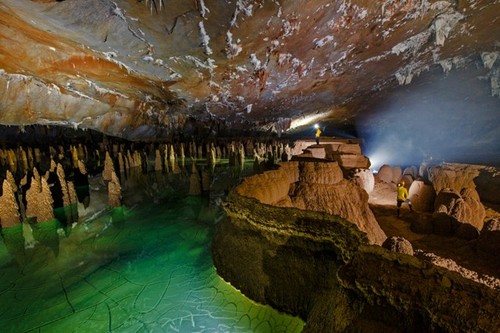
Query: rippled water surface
<point>145,267</point>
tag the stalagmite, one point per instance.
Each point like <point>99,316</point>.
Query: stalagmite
<point>11,180</point>
<point>121,164</point>
<point>39,201</point>
<point>73,199</point>
<point>200,152</point>
<point>158,166</point>
<point>108,168</point>
<point>64,186</point>
<point>114,191</point>
<point>9,210</point>
<point>194,181</point>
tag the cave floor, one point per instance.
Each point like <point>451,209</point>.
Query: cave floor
<point>460,251</point>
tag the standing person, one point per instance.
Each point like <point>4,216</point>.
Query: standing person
<point>403,196</point>
<point>318,133</point>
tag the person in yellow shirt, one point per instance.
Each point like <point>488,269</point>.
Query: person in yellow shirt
<point>403,196</point>
<point>318,134</point>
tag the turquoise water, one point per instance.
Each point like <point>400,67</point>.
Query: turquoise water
<point>141,268</point>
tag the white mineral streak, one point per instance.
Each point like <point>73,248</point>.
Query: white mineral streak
<point>203,9</point>
<point>447,65</point>
<point>323,41</point>
<point>412,44</point>
<point>205,39</point>
<point>406,74</point>
<point>444,24</point>
<point>242,6</point>
<point>232,49</point>
<point>255,61</point>
<point>489,59</point>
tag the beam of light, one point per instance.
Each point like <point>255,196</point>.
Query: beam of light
<point>451,119</point>
<point>310,119</point>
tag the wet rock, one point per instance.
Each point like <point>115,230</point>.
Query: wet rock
<point>108,168</point>
<point>398,244</point>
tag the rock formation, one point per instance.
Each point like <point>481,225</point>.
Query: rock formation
<point>316,186</point>
<point>114,191</point>
<point>319,267</point>
<point>39,201</point>
<point>9,210</point>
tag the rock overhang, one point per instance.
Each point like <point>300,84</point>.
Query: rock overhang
<point>122,67</point>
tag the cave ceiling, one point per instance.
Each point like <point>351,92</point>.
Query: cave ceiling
<point>139,69</point>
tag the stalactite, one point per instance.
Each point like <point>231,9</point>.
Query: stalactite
<point>9,210</point>
<point>194,181</point>
<point>74,156</point>
<point>38,155</point>
<point>23,159</point>
<point>12,161</point>
<point>31,160</point>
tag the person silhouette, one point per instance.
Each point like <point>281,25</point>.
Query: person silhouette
<point>403,197</point>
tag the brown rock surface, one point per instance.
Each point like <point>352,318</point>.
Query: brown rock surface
<point>9,210</point>
<point>422,196</point>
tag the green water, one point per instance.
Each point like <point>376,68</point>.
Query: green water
<point>146,268</point>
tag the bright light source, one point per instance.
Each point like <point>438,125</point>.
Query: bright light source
<point>316,126</point>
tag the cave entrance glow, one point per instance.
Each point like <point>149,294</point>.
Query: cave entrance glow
<point>144,267</point>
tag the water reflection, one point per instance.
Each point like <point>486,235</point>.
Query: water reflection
<point>142,267</point>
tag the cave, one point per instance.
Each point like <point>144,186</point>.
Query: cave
<point>249,166</point>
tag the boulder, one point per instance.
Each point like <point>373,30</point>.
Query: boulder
<point>422,196</point>
<point>454,176</point>
<point>398,244</point>
<point>489,240</point>
<point>363,178</point>
<point>464,210</point>
<point>422,225</point>
<point>441,222</point>
<point>488,184</point>
<point>384,174</point>
<point>411,171</point>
